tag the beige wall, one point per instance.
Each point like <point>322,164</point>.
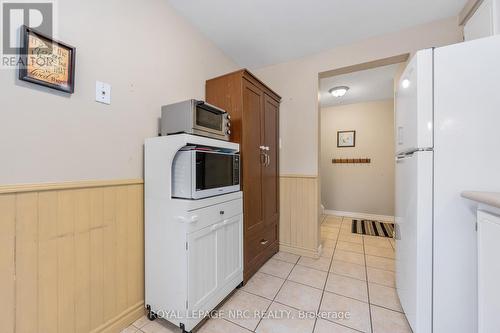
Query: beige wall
<point>297,82</point>
<point>150,56</point>
<point>359,188</point>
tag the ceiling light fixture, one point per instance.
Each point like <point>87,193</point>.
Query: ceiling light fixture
<point>338,91</point>
<point>405,83</point>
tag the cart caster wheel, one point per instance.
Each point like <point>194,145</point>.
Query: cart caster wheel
<point>151,315</point>
<point>183,328</point>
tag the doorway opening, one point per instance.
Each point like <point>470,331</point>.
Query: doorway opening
<point>357,180</point>
<point>356,127</point>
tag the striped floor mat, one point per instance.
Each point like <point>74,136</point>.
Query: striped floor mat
<point>372,228</point>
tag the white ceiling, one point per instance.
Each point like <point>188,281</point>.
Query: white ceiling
<point>364,86</point>
<point>256,33</point>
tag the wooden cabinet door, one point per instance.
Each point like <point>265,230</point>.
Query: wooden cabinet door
<point>252,159</point>
<point>270,172</point>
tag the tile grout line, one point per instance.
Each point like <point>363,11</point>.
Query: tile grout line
<point>273,300</point>
<point>327,274</point>
<point>302,284</point>
<point>275,276</point>
<point>319,270</point>
<point>368,289</point>
<point>331,263</point>
<point>236,324</point>
<point>331,292</point>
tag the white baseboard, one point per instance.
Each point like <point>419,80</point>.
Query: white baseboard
<point>299,251</point>
<point>360,215</point>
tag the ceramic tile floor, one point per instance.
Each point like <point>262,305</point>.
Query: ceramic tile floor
<point>355,274</point>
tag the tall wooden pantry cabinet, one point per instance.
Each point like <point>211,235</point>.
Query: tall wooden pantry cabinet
<point>254,111</point>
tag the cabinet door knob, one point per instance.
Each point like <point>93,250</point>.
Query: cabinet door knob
<point>221,212</point>
<point>264,241</point>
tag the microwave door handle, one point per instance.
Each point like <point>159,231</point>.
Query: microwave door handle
<point>211,108</point>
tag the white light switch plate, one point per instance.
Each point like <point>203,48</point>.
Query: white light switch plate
<point>102,92</point>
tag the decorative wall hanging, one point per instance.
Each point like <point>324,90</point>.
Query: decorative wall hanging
<point>47,62</point>
<point>346,139</point>
<point>351,160</point>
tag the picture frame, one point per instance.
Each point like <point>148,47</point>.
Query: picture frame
<point>46,62</point>
<point>346,139</point>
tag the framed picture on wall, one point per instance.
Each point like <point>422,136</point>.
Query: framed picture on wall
<point>47,62</point>
<point>346,139</point>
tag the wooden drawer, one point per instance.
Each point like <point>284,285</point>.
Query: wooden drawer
<point>260,242</point>
<point>201,218</point>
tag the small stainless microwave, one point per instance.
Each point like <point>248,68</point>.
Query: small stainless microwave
<point>195,117</point>
<point>200,173</point>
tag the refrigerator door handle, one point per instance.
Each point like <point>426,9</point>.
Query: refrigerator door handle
<point>410,153</point>
<point>401,157</point>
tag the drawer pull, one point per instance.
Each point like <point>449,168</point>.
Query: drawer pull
<point>264,241</point>
<point>221,212</point>
<point>191,219</point>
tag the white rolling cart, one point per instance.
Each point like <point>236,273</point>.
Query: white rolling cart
<point>193,248</point>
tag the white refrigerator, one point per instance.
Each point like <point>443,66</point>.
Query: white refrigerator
<point>447,141</point>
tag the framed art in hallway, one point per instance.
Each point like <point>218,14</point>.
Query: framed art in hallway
<point>46,62</point>
<point>346,139</point>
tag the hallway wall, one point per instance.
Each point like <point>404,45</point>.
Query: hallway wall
<point>360,188</point>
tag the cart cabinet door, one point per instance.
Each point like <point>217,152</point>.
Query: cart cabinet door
<point>202,267</point>
<point>230,249</point>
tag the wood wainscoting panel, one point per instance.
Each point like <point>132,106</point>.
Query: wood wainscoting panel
<point>71,257</point>
<point>7,266</point>
<point>299,227</point>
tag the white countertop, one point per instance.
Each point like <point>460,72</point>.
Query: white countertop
<point>487,198</point>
